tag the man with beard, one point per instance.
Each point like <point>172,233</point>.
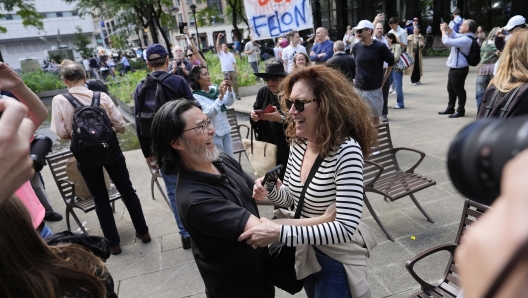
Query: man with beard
<point>180,66</point>
<point>269,127</point>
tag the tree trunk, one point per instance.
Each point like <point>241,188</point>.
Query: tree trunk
<point>164,34</point>
<point>235,23</point>
<point>153,31</point>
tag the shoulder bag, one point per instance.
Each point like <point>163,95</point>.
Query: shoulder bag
<point>493,111</point>
<point>281,264</point>
<point>262,155</point>
<point>404,62</point>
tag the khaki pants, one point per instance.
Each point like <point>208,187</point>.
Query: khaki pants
<point>234,80</point>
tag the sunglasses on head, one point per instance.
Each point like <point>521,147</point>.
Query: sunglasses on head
<point>190,55</point>
<point>298,103</point>
<point>271,79</point>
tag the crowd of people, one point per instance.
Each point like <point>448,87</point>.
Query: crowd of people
<point>324,104</point>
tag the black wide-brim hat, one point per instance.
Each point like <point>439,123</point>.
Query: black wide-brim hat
<point>274,69</point>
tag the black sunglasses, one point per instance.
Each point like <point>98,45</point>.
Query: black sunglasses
<point>190,55</point>
<point>298,103</point>
<point>360,30</point>
<point>271,79</point>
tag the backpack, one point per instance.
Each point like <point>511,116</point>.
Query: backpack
<point>97,85</point>
<point>151,98</point>
<point>473,58</point>
<point>92,136</point>
<point>456,28</point>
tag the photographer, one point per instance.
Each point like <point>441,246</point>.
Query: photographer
<point>180,66</point>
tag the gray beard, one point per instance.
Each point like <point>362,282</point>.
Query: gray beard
<point>201,154</point>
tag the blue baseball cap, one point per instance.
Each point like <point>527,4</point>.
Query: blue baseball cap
<point>156,49</point>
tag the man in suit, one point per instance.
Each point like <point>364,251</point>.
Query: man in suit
<point>342,62</point>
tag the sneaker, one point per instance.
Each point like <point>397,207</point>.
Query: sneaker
<point>418,83</point>
<point>186,242</point>
<point>391,91</point>
<point>238,97</point>
<point>53,217</point>
<point>144,238</point>
<point>384,118</point>
<point>398,107</point>
<point>414,84</point>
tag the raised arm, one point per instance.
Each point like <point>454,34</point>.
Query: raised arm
<point>194,47</point>
<point>217,44</point>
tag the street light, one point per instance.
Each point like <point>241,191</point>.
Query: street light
<point>193,8</point>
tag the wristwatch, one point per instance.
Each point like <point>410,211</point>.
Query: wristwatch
<point>283,119</point>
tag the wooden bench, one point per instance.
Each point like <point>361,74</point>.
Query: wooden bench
<point>383,175</point>
<point>236,137</point>
<point>57,165</point>
<point>449,285</point>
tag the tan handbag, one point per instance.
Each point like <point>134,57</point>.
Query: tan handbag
<point>75,177</point>
<point>262,155</point>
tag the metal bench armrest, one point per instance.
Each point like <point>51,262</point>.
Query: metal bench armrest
<point>380,171</point>
<point>422,156</point>
<point>60,184</point>
<point>410,263</point>
<point>247,129</point>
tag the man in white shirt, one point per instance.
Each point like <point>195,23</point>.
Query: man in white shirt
<point>251,51</point>
<point>288,54</point>
<point>86,64</point>
<point>228,63</point>
<point>400,33</point>
<point>348,39</point>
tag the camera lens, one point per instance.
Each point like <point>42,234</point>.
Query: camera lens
<point>40,147</point>
<point>479,152</point>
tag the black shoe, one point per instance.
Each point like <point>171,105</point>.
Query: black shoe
<point>53,217</point>
<point>186,242</point>
<point>115,250</point>
<point>457,115</point>
<point>238,97</point>
<point>144,238</point>
<point>446,112</point>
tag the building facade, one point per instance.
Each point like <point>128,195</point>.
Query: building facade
<point>60,24</point>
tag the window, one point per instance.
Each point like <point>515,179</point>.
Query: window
<point>67,14</point>
<point>59,14</point>
<point>74,13</point>
<point>189,1</point>
<point>178,3</point>
<point>191,18</point>
<point>180,18</point>
<point>51,15</point>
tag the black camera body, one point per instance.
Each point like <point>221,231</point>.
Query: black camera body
<point>479,152</point>
<point>39,148</point>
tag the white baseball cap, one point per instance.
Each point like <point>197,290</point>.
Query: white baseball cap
<point>515,21</point>
<point>363,24</point>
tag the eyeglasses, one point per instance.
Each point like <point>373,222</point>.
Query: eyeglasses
<point>190,55</point>
<point>271,79</point>
<point>298,103</point>
<point>359,31</point>
<point>204,126</point>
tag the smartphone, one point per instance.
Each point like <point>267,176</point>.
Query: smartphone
<point>271,177</point>
<point>441,20</point>
<point>226,75</point>
<point>268,109</point>
<point>182,25</point>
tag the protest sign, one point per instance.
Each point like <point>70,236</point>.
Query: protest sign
<point>273,18</point>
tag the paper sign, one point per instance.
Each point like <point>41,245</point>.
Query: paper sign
<point>273,18</point>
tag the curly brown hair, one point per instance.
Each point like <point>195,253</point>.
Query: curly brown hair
<point>342,113</point>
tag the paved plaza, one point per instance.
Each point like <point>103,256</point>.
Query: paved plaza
<point>163,269</point>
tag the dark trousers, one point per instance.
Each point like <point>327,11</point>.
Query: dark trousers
<point>415,76</point>
<point>118,172</point>
<point>455,87</point>
<point>385,91</point>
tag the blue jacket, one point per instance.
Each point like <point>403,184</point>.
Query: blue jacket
<point>322,47</point>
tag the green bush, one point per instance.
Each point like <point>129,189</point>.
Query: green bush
<point>245,73</point>
<point>39,81</point>
<point>124,88</point>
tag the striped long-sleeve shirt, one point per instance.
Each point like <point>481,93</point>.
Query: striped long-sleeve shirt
<point>339,179</point>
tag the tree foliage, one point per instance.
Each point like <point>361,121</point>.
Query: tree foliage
<point>236,12</point>
<point>26,10</point>
<point>81,43</point>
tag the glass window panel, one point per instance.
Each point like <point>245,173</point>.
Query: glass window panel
<point>35,46</point>
<point>16,17</point>
<point>19,49</point>
<point>51,14</point>
<point>59,14</point>
<point>11,49</point>
<point>74,13</point>
<point>67,14</point>
<point>27,48</point>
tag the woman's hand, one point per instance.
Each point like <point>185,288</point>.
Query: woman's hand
<point>254,116</point>
<point>9,79</point>
<point>274,116</point>
<point>330,213</point>
<point>228,84</point>
<point>262,235</point>
<point>259,191</point>
<point>222,88</point>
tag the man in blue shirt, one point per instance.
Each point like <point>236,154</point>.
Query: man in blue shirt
<point>323,48</point>
<point>126,64</point>
<point>460,44</point>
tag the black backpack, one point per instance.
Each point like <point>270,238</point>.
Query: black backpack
<point>92,136</point>
<point>151,98</point>
<point>473,58</point>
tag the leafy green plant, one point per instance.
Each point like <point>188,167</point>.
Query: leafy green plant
<point>245,73</point>
<point>124,88</point>
<point>81,43</point>
<point>39,81</point>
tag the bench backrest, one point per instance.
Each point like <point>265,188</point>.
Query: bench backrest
<point>233,123</point>
<point>382,155</point>
<point>471,212</point>
<point>57,165</point>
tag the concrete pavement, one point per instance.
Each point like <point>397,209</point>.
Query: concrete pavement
<point>163,269</point>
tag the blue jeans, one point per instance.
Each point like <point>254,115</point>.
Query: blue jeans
<point>224,144</point>
<point>482,84</point>
<point>397,77</point>
<point>331,281</point>
<point>170,186</point>
<point>254,66</point>
<point>46,232</point>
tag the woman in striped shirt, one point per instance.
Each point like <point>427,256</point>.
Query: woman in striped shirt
<point>327,119</point>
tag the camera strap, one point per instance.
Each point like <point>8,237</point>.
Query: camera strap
<point>315,167</point>
<point>490,105</point>
<point>505,108</point>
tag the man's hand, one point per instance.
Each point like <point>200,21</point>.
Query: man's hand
<point>15,135</point>
<point>262,235</point>
<point>151,162</point>
<point>443,27</point>
<point>312,53</point>
<point>9,79</point>
<point>254,116</point>
<point>186,31</point>
<point>321,55</point>
<point>274,116</point>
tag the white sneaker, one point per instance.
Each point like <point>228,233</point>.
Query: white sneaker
<point>398,107</point>
<point>414,84</point>
<point>391,91</point>
<point>418,83</point>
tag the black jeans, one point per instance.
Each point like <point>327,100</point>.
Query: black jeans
<point>385,91</point>
<point>455,87</point>
<point>118,172</point>
<point>415,76</point>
